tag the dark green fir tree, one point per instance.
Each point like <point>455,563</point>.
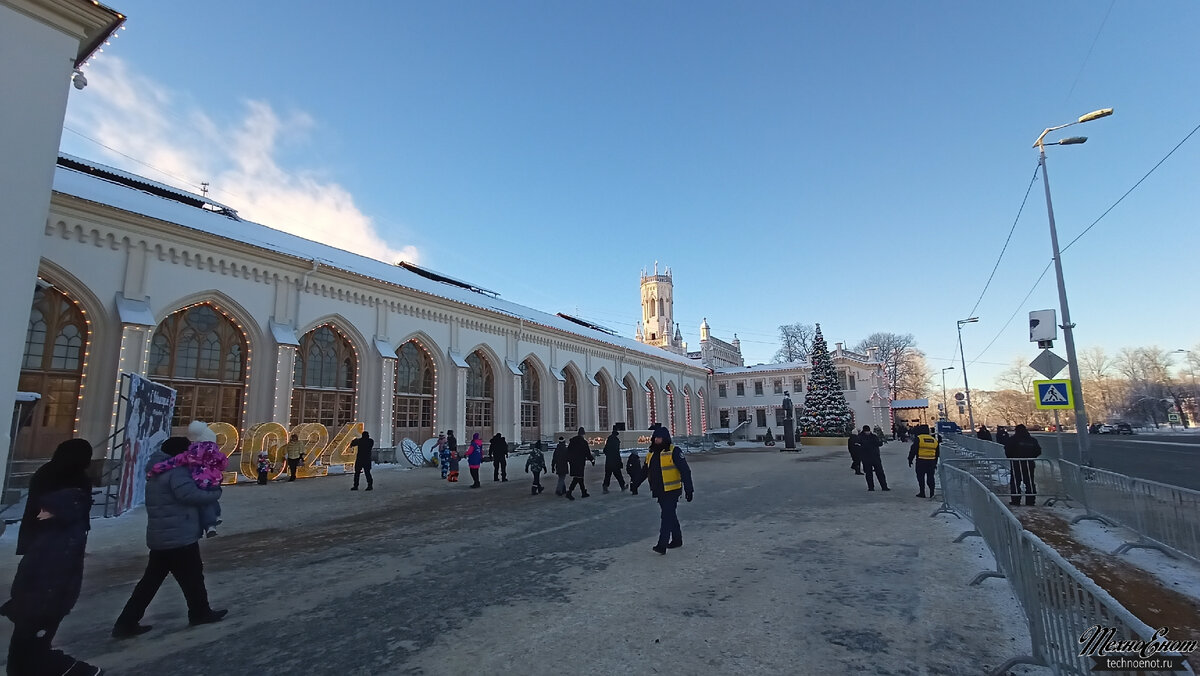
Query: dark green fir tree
<point>826,413</point>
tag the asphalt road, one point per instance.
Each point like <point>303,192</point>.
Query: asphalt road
<point>789,566</point>
<point>1167,458</point>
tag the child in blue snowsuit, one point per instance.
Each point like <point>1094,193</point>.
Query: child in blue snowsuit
<point>443,451</point>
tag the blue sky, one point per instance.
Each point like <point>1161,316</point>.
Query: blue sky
<point>853,164</point>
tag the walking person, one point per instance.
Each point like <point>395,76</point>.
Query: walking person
<point>925,450</point>
<point>668,474</point>
<point>452,445</point>
<point>558,465</point>
<point>362,461</point>
<point>868,454</point>
<point>536,463</point>
<point>443,454</point>
<point>294,452</point>
<point>578,453</point>
<point>612,460</point>
<point>499,450</point>
<point>173,502</point>
<point>1022,445</point>
<point>475,458</point>
<point>853,444</point>
<point>51,542</point>
<point>637,473</point>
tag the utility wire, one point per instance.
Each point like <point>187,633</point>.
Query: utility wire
<point>1089,51</point>
<point>1006,241</point>
<point>1135,185</point>
<point>1014,314</point>
<point>187,182</point>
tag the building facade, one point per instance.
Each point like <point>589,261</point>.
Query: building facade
<point>44,42</point>
<point>658,327</point>
<point>252,325</point>
<point>753,395</point>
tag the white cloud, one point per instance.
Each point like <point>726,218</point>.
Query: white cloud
<point>137,117</point>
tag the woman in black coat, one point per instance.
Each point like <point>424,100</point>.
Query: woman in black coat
<point>578,454</point>
<point>52,540</point>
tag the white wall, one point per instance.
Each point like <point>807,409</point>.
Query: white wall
<point>35,68</point>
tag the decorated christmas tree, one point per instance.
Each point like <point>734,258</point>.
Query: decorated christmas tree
<point>826,413</point>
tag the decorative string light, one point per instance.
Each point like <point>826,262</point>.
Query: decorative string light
<point>688,409</point>
<point>671,407</point>
<point>703,414</point>
<point>87,351</point>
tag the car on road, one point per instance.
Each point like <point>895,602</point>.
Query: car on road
<point>1123,428</point>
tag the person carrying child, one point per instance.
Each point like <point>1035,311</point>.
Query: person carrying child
<point>206,463</point>
<point>536,464</point>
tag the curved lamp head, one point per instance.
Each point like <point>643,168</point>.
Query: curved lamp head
<point>1096,115</point>
<point>1072,141</point>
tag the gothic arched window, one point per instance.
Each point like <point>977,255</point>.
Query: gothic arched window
<point>323,380</point>
<point>414,392</point>
<point>199,352</point>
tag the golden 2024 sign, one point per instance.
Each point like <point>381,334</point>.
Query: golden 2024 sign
<point>319,451</point>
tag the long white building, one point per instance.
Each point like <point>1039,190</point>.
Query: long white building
<point>250,324</point>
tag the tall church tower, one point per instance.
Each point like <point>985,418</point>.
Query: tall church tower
<point>658,327</point>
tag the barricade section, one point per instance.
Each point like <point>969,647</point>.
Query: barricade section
<point>1060,603</point>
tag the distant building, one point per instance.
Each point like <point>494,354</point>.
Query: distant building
<point>659,328</point>
<point>754,394</point>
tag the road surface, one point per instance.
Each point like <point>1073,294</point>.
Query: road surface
<point>789,567</point>
<point>1167,458</point>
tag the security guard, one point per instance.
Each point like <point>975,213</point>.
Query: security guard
<point>924,449</point>
<point>668,474</point>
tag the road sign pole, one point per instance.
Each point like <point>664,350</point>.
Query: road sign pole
<point>1058,434</point>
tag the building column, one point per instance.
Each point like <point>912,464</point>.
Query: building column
<point>387,404</point>
<point>513,431</point>
<point>458,407</point>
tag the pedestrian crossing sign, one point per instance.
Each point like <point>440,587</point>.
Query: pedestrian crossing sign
<point>1053,394</point>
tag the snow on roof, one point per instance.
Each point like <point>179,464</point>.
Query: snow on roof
<point>121,195</point>
<point>761,368</point>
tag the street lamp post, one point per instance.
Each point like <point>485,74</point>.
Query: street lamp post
<point>1081,423</point>
<point>962,356</point>
<point>945,405</point>
<point>1195,393</point>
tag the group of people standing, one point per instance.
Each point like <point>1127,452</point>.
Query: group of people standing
<point>1021,448</point>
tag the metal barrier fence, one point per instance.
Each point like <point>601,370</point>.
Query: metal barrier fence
<point>997,474</point>
<point>1165,517</point>
<point>1060,604</point>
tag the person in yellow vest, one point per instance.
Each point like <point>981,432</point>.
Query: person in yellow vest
<point>295,453</point>
<point>668,475</point>
<point>924,450</point>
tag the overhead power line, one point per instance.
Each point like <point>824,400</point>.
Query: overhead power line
<point>1006,241</point>
<point>1135,185</point>
<point>1014,314</point>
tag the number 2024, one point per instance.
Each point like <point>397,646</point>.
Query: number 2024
<point>319,451</point>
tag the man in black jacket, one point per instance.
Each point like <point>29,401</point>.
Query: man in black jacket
<point>612,460</point>
<point>578,453</point>
<point>854,445</point>
<point>558,465</point>
<point>872,465</point>
<point>1022,445</point>
<point>362,461</point>
<point>499,449</point>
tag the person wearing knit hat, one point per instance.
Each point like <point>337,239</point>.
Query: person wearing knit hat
<point>578,453</point>
<point>668,475</point>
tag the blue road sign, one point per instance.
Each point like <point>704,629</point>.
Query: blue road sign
<point>1053,394</point>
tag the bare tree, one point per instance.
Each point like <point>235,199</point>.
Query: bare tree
<point>795,342</point>
<point>904,365</point>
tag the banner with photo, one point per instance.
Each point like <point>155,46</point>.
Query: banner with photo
<point>147,425</point>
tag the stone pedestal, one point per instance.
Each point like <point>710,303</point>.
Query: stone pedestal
<point>789,434</point>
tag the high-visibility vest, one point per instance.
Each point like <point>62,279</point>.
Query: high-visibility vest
<point>672,480</point>
<point>927,446</point>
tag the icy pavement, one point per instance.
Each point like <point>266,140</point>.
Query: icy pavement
<point>789,567</point>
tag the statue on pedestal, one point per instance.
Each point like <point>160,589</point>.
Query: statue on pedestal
<point>789,424</point>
